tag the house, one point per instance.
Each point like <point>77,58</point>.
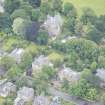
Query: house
<point>40,62</point>
<point>25,95</point>
<point>53,25</point>
<point>41,100</point>
<point>68,74</point>
<point>6,88</point>
<point>17,54</point>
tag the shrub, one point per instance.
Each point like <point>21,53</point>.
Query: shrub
<point>32,49</point>
<point>56,58</point>
<point>14,72</point>
<point>7,62</point>
<point>26,60</point>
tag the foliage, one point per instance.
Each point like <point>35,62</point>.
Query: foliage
<point>14,72</point>
<point>32,49</point>
<point>56,5</point>
<point>11,5</point>
<point>84,90</point>
<point>88,16</point>
<point>100,23</point>
<point>56,58</point>
<point>94,35</point>
<point>35,15</point>
<point>5,22</point>
<point>25,28</point>
<point>42,37</point>
<point>69,10</point>
<point>90,77</point>
<point>7,62</point>
<point>26,60</point>
<point>93,66</point>
<point>20,13</point>
<point>69,24</point>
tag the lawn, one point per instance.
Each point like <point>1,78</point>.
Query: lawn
<point>97,5</point>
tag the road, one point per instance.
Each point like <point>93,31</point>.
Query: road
<point>67,97</point>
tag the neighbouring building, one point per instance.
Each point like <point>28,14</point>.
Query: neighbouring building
<point>24,95</point>
<point>40,62</point>
<point>6,88</point>
<point>68,74</point>
<point>53,25</point>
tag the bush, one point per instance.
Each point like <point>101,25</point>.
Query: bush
<point>7,62</point>
<point>14,72</point>
<point>84,90</point>
<point>93,66</point>
<point>35,15</point>
<point>42,37</point>
<point>20,13</point>
<point>56,58</point>
<point>26,61</point>
<point>32,49</point>
<point>69,10</point>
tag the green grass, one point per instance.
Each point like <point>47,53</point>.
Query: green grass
<point>97,5</point>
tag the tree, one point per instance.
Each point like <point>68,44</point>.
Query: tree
<point>84,90</point>
<point>101,62</point>
<point>90,77</point>
<point>88,16</point>
<point>34,3</point>
<point>100,23</point>
<point>7,62</point>
<point>26,61</point>
<point>19,25</point>
<point>25,28</point>
<point>11,5</point>
<point>31,31</point>
<point>35,14</point>
<point>5,21</point>
<point>79,29</point>
<point>14,72</point>
<point>70,24</point>
<point>69,10</point>
<point>56,58</point>
<point>45,7</point>
<point>94,34</point>
<point>56,5</point>
<point>42,37</point>
<point>93,66</point>
<point>20,13</point>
